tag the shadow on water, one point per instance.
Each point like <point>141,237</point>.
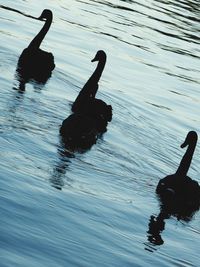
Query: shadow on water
<point>61,167</point>
<point>157,223</point>
<point>65,157</point>
<point>14,106</point>
<point>37,82</point>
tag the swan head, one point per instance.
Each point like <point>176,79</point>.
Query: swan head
<point>191,138</point>
<point>100,55</point>
<point>46,14</point>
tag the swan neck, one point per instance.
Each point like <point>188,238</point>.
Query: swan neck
<point>95,77</point>
<point>186,160</point>
<point>89,90</point>
<point>36,42</point>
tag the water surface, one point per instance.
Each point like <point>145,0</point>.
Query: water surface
<point>106,197</point>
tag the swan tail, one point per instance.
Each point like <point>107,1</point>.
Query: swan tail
<point>109,112</point>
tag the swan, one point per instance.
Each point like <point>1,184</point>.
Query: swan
<point>35,63</point>
<point>87,104</point>
<point>90,115</point>
<point>178,188</point>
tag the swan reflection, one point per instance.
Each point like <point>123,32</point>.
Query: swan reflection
<point>58,178</point>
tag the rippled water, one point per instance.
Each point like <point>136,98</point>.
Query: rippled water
<point>100,216</point>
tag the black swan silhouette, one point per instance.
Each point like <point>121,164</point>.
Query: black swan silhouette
<point>35,63</point>
<point>90,115</point>
<point>87,104</point>
<point>178,192</point>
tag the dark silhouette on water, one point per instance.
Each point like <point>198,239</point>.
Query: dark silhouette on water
<point>59,178</point>
<point>179,188</point>
<point>157,223</point>
<point>179,195</point>
<point>156,226</point>
<point>90,115</point>
<point>65,157</point>
<point>34,63</point>
<point>87,104</point>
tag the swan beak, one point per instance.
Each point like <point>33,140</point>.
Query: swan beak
<point>94,59</point>
<point>41,18</point>
<point>184,144</point>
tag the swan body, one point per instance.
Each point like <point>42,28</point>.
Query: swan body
<point>78,131</point>
<point>178,188</point>
<point>90,115</point>
<point>87,104</point>
<point>34,63</point>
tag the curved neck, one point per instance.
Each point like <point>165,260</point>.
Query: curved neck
<point>36,42</point>
<point>186,160</point>
<point>91,86</point>
<point>98,71</point>
<point>89,90</point>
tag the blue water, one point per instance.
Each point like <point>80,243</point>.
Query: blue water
<point>100,215</point>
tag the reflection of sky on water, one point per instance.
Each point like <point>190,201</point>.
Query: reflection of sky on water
<point>101,215</point>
